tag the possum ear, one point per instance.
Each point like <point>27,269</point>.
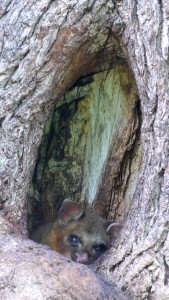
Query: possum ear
<point>69,211</point>
<point>113,230</point>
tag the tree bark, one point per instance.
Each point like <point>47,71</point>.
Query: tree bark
<point>140,259</point>
<point>45,47</point>
<point>32,271</point>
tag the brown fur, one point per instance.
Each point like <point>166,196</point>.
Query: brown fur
<point>74,222</point>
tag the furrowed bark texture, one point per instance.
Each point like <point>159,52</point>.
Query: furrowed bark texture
<point>45,46</point>
<point>141,257</point>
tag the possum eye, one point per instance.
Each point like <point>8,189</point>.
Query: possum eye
<point>100,248</point>
<point>73,240</point>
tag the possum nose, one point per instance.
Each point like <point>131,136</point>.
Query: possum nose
<point>80,257</point>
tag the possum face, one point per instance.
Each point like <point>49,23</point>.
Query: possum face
<point>83,235</point>
<point>84,245</point>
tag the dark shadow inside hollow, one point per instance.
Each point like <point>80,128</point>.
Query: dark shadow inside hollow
<point>90,151</point>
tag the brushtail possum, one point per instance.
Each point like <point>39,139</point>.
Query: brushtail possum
<point>79,234</point>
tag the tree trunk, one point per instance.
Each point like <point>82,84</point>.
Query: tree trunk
<point>47,46</point>
<point>140,260</point>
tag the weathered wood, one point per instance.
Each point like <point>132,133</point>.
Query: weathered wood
<point>45,47</point>
<point>84,142</point>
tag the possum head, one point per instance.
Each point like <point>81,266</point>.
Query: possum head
<point>84,235</point>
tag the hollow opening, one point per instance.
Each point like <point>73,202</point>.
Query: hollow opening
<point>90,150</point>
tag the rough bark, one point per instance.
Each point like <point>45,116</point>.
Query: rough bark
<point>45,47</point>
<point>32,271</point>
<point>140,261</point>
